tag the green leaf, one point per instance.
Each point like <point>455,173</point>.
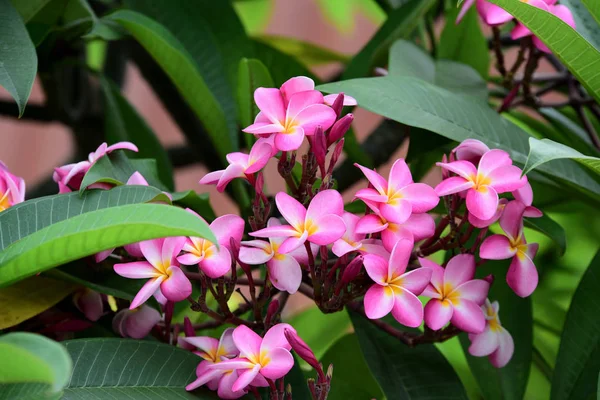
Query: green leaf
<point>550,228</point>
<point>281,66</point>
<point>43,365</point>
<point>307,53</point>
<point>296,379</point>
<point>180,66</point>
<point>461,79</point>
<point>394,365</point>
<point>408,59</point>
<point>545,150</point>
<point>342,13</point>
<point>417,103</point>
<point>594,8</point>
<point>80,20</point>
<point>29,297</point>
<point>585,23</point>
<point>130,369</point>
<point>255,14</point>
<point>509,382</point>
<point>252,74</point>
<point>17,52</point>
<point>399,24</point>
<point>197,202</point>
<point>123,124</point>
<point>29,8</point>
<point>40,22</point>
<point>352,378</point>
<point>578,361</point>
<point>464,42</point>
<point>578,55</point>
<point>570,132</point>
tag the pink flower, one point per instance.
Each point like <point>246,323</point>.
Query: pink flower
<point>350,240</point>
<point>455,295</point>
<point>560,11</point>
<point>490,13</point>
<point>495,341</point>
<point>240,166</point>
<point>260,358</point>
<point>303,84</point>
<point>285,272</point>
<point>395,289</point>
<point>522,275</point>
<point>483,223</point>
<point>214,262</point>
<point>495,174</point>
<point>12,188</point>
<point>90,303</point>
<point>69,176</point>
<point>470,150</point>
<point>136,323</point>
<point>161,268</point>
<point>398,197</point>
<point>321,224</point>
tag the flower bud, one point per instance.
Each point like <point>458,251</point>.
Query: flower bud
<point>188,329</point>
<point>136,323</point>
<point>271,311</point>
<point>319,147</point>
<point>337,151</point>
<point>445,173</point>
<point>381,71</point>
<point>260,183</point>
<point>489,279</point>
<point>339,129</point>
<point>90,303</point>
<point>302,349</point>
<point>352,270</point>
<point>338,104</point>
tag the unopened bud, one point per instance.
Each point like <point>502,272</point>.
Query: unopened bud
<point>337,151</point>
<point>329,372</point>
<point>271,311</point>
<point>302,349</point>
<point>338,104</point>
<point>381,71</point>
<point>260,183</point>
<point>188,328</point>
<point>352,270</point>
<point>339,129</point>
<point>489,279</point>
<point>319,147</point>
<point>445,173</point>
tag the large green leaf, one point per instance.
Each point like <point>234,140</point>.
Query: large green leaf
<point>307,53</point>
<point>399,24</point>
<point>404,372</point>
<point>185,73</point>
<point>17,53</point>
<point>197,202</point>
<point>545,150</point>
<point>252,74</point>
<point>417,103</point>
<point>130,369</point>
<point>32,367</point>
<point>578,361</point>
<point>585,23</point>
<point>509,382</point>
<point>123,124</point>
<point>581,57</point>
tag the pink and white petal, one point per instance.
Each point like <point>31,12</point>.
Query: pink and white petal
<point>315,115</point>
<point>507,179</point>
<point>136,270</point>
<point>217,264</point>
<point>437,313</point>
<point>245,378</point>
<point>532,212</point>
<point>522,276</point>
<point>505,350</point>
<point>484,343</point>
<point>261,128</point>
<point>400,175</point>
<point>393,234</point>
<point>462,168</point>
<point>492,14</point>
<point>295,85</point>
<point>399,258</point>
<point>563,12</point>
<point>290,141</point>
<point>370,224</point>
<point>177,286</point>
<point>379,301</point>
<point>237,158</point>
<point>146,291</point>
<point>212,177</point>
<point>465,7</point>
<point>377,268</point>
<point>225,390</point>
<point>292,243</point>
<point>300,100</point>
<point>226,343</point>
<point>133,249</point>
<point>275,231</point>
<point>421,226</point>
<point>230,173</point>
<point>484,223</point>
<point>341,247</point>
<point>206,344</point>
<point>227,227</point>
<point>270,103</point>
<point>396,211</point>
<point>139,324</point>
<point>475,291</point>
<point>454,184</point>
<point>275,338</point>
<point>511,220</point>
<point>460,269</point>
<point>137,179</point>
<point>291,209</point>
<point>171,248</point>
<point>416,280</point>
<point>280,363</point>
<point>122,146</point>
<point>152,250</point>
<point>348,100</point>
<point>103,255</point>
<point>468,316</point>
<point>285,273</point>
<point>374,248</point>
<point>496,247</point>
<point>524,194</point>
<point>431,292</point>
<point>483,202</point>
<point>254,255</point>
<point>422,197</point>
<point>247,342</point>
<point>301,255</point>
<point>407,309</point>
<point>79,168</point>
<point>437,273</point>
<point>324,203</point>
<point>205,375</point>
<point>189,259</point>
<point>259,157</point>
<point>329,229</point>
<point>378,182</point>
<point>519,31</point>
<point>369,194</point>
<point>492,160</point>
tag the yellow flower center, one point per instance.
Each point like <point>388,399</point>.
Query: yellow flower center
<point>289,126</point>
<point>4,203</point>
<point>308,227</point>
<point>480,182</point>
<point>449,295</point>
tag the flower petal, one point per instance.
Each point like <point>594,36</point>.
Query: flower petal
<point>468,316</point>
<point>348,100</point>
<point>496,247</point>
<point>230,173</point>
<point>507,179</point>
<point>285,273</point>
<point>396,211</point>
<point>378,182</point>
<point>485,343</point>
<point>492,14</point>
<point>204,375</point>
<point>493,159</point>
<point>438,313</point>
<point>177,286</point>
<point>461,168</point>
<point>454,184</point>
<point>437,272</point>
<point>370,194</point>
<point>152,251</point>
<point>259,157</point>
<point>275,338</point>
<point>460,269</point>
<point>370,224</point>
<point>315,115</point>
<point>217,263</point>
<point>421,226</point>
<point>475,291</point>
<point>227,227</point>
<point>247,342</point>
<point>189,259</point>
<point>407,308</point>
<point>324,203</point>
<point>146,291</point>
<point>329,229</point>
<point>400,175</point>
<point>280,363</point>
<point>225,386</point>
<point>341,247</point>
<point>399,258</point>
<point>377,267</point>
<point>171,248</point>
<point>295,85</point>
<point>254,255</point>
<point>275,231</point>
<point>300,100</point>
<point>379,301</point>
<point>482,202</point>
<point>136,270</point>
<point>422,197</point>
<point>292,243</point>
<point>522,276</point>
<point>206,344</point>
<point>261,128</point>
<point>416,280</point>
<point>511,220</point>
<point>505,350</point>
<point>291,140</point>
<point>270,103</point>
<point>211,178</point>
<point>245,378</point>
<point>291,209</point>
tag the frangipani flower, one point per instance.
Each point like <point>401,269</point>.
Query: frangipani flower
<point>303,84</point>
<point>213,261</point>
<point>490,13</point>
<point>90,303</point>
<point>495,174</point>
<point>470,150</point>
<point>455,296</point>
<point>12,188</point>
<point>285,272</point>
<point>522,275</point>
<point>267,357</point>
<point>161,269</point>
<point>136,323</point>
<point>495,341</point>
<point>240,166</point>
<point>395,289</point>
<point>69,176</point>
<point>321,224</point>
<point>350,240</point>
<point>398,197</point>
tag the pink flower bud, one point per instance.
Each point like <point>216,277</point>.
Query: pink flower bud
<point>89,303</point>
<point>337,151</point>
<point>319,147</point>
<point>302,349</point>
<point>188,329</point>
<point>260,183</point>
<point>352,270</point>
<point>489,279</point>
<point>338,104</point>
<point>339,129</point>
<point>136,323</point>
<point>271,311</point>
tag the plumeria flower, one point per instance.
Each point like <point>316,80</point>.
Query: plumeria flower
<point>522,275</point>
<point>321,224</point>
<point>290,123</point>
<point>136,323</point>
<point>90,303</point>
<point>285,272</point>
<point>495,174</point>
<point>267,357</point>
<point>240,166</point>
<point>213,261</point>
<point>395,289</point>
<point>483,223</point>
<point>399,196</point>
<point>470,150</point>
<point>304,84</point>
<point>160,268</point>
<point>12,188</point>
<point>490,13</point>
<point>495,341</point>
<point>455,296</point>
<point>352,240</point>
<point>561,11</point>
<point>214,351</point>
<point>70,176</point>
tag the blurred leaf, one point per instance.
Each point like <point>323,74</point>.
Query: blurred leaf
<point>341,13</point>
<point>352,378</point>
<point>307,53</point>
<point>17,52</point>
<point>572,134</point>
<point>594,9</point>
<point>424,150</point>
<point>393,365</point>
<point>461,79</point>
<point>252,74</point>
<point>296,379</point>
<point>545,150</point>
<point>122,123</point>
<point>197,202</point>
<point>418,103</point>
<point>80,20</point>
<point>29,297</point>
<point>550,228</point>
<point>255,14</point>
<point>582,58</point>
<point>399,24</point>
<point>578,361</point>
<point>281,66</point>
<point>42,22</point>
<point>132,369</point>
<point>41,366</point>
<point>464,42</point>
<point>29,8</point>
<point>585,23</point>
